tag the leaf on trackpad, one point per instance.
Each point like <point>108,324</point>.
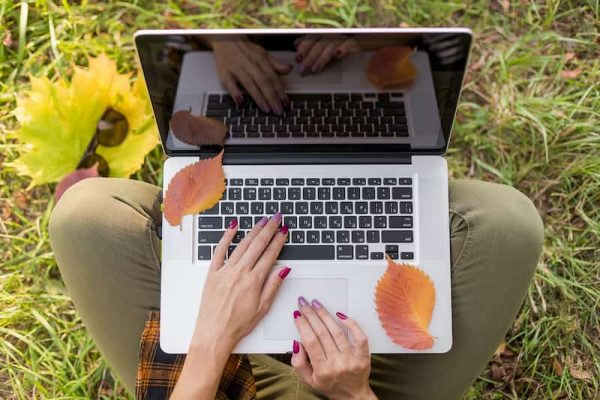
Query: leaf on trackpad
<point>193,189</point>
<point>391,66</point>
<point>404,298</point>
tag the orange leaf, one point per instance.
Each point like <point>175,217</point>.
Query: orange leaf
<point>196,129</point>
<point>193,189</point>
<point>404,298</point>
<point>391,66</point>
<point>70,179</point>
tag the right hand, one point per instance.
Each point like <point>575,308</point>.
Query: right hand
<point>326,360</point>
<point>248,64</point>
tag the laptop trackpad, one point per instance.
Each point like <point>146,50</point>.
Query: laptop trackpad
<point>279,322</point>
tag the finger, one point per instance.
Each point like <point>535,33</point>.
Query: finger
<point>312,56</point>
<point>260,242</point>
<point>267,81</point>
<point>318,327</point>
<point>346,47</point>
<point>269,256</point>
<point>335,329</point>
<point>221,250</point>
<point>280,67</point>
<point>232,88</point>
<point>326,55</point>
<point>247,81</point>
<point>304,46</point>
<point>243,246</point>
<point>309,339</point>
<point>358,339</point>
<point>301,364</point>
<point>271,288</point>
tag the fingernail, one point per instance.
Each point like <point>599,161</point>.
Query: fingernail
<point>277,216</point>
<point>286,101</point>
<point>314,68</point>
<point>265,109</point>
<point>284,272</point>
<point>341,315</point>
<point>278,110</point>
<point>296,314</point>
<point>315,303</point>
<point>233,224</point>
<point>302,301</point>
<point>299,58</point>
<point>239,100</point>
<point>296,347</point>
<point>263,221</point>
<point>302,69</point>
<point>284,230</point>
<point>338,53</point>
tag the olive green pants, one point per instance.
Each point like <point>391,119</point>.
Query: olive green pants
<point>103,233</point>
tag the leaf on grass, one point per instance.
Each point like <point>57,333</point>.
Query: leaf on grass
<point>404,298</point>
<point>571,74</point>
<point>391,66</point>
<point>193,189</point>
<point>580,374</point>
<point>74,177</point>
<point>197,130</point>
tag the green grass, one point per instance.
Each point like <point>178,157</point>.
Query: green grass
<point>520,122</point>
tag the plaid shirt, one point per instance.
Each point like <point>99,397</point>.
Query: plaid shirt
<point>158,371</point>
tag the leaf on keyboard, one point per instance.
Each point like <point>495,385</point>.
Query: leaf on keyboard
<point>391,66</point>
<point>196,129</point>
<point>193,189</point>
<point>404,298</point>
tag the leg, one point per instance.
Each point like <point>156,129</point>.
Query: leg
<point>496,239</point>
<point>102,232</point>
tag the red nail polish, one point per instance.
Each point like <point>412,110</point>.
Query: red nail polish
<point>296,347</point>
<point>299,58</point>
<point>233,224</point>
<point>341,315</point>
<point>284,229</point>
<point>297,314</point>
<point>284,272</point>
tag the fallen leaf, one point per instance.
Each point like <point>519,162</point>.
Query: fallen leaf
<point>74,177</point>
<point>404,298</point>
<point>580,374</point>
<point>301,4</point>
<point>569,56</point>
<point>571,74</point>
<point>391,66</point>
<point>193,189</point>
<point>500,349</point>
<point>197,130</point>
<point>557,367</point>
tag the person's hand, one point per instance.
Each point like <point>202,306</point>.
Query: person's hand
<point>244,63</point>
<point>325,359</point>
<point>239,292</point>
<point>314,52</point>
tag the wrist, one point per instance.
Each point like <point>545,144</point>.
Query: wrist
<point>365,394</point>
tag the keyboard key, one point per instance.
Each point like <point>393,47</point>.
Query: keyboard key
<point>380,221</point>
<point>242,208</point>
<point>239,235</point>
<point>365,222</point>
<point>331,207</point>
<point>297,236</point>
<point>374,181</point>
<point>297,181</point>
<point>361,207</point>
<point>339,193</point>
<point>308,193</point>
<point>345,252</point>
<point>251,182</point>
<point>328,236</point>
<point>257,207</point>
<point>404,181</point>
<point>350,222</point>
<point>342,236</point>
<point>324,193</point>
<point>204,253</point>
<point>210,223</point>
<point>401,222</point>
<point>391,248</point>
<point>287,207</point>
<point>372,236</point>
<point>267,182</point>
<point>407,255</point>
<point>406,207</point>
<point>316,207</point>
<point>389,181</point>
<point>346,207</point>
<point>313,181</point>
<point>368,193</point>
<point>312,237</point>
<point>358,236</point>
<point>249,193</point>
<point>335,222</point>
<point>228,221</point>
<point>291,222</point>
<point>320,222</point>
<point>343,181</point>
<point>282,181</point>
<point>328,181</point>
<point>279,193</point>
<point>307,252</point>
<point>236,182</point>
<point>305,222</point>
<point>362,252</point>
<point>391,207</point>
<point>264,194</point>
<point>302,207</point>
<point>401,193</point>
<point>383,193</point>
<point>359,181</point>
<point>393,256</point>
<point>394,236</point>
<point>211,211</point>
<point>353,193</point>
<point>294,193</point>
<point>376,255</point>
<point>226,208</point>
<point>376,207</point>
<point>271,207</point>
<point>205,237</point>
<point>246,223</point>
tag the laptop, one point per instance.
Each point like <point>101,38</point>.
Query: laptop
<point>357,171</point>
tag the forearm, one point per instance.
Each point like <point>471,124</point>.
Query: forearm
<point>202,370</point>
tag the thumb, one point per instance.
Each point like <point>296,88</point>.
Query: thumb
<point>301,364</point>
<point>271,287</point>
<point>280,67</point>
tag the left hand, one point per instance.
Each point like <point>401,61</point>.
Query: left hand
<point>314,52</point>
<point>326,360</point>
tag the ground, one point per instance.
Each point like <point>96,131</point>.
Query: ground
<point>529,117</point>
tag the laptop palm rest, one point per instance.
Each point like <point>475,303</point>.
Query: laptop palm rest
<point>279,322</point>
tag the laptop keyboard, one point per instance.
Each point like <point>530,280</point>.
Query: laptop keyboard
<point>315,115</point>
<point>328,218</point>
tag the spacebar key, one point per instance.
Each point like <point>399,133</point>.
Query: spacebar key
<point>307,252</point>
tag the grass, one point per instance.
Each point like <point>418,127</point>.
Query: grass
<point>529,117</point>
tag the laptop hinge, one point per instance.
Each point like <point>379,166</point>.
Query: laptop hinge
<point>314,158</point>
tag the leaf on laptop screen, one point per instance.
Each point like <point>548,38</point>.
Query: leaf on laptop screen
<point>391,66</point>
<point>197,130</point>
<point>404,298</point>
<point>193,189</point>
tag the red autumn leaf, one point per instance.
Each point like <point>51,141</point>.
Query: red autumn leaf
<point>193,189</point>
<point>391,66</point>
<point>197,130</point>
<point>571,74</point>
<point>404,298</point>
<point>70,179</point>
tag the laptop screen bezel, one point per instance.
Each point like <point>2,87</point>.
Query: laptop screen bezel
<point>307,149</point>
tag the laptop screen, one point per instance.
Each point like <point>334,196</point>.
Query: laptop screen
<point>385,90</point>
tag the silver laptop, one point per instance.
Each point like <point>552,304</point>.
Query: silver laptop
<point>357,171</point>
